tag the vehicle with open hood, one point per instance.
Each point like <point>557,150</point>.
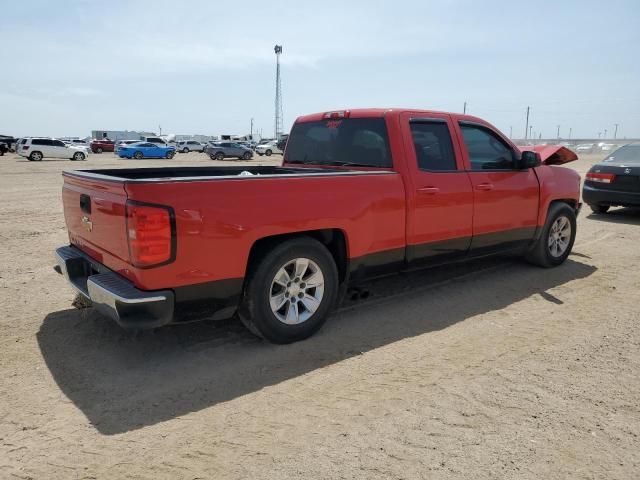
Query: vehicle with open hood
<point>360,193</point>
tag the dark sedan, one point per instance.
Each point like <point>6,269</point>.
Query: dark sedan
<point>615,181</point>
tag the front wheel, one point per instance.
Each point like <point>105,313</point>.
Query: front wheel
<point>98,150</point>
<point>185,150</point>
<point>557,237</point>
<point>78,156</point>
<point>599,208</point>
<point>169,155</point>
<point>290,293</point>
<point>138,155</point>
<point>219,156</point>
<point>246,156</point>
<point>268,153</point>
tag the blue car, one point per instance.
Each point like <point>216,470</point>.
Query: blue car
<point>145,150</point>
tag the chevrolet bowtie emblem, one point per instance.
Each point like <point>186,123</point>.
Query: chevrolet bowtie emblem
<point>86,221</point>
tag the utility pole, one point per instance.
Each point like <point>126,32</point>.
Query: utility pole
<point>277,130</point>
<point>464,109</point>
<point>510,131</point>
<point>251,134</point>
<point>558,132</point>
<point>615,132</point>
<point>605,133</point>
<point>570,129</point>
<point>530,128</point>
<point>599,135</point>
<point>160,128</point>
<point>526,128</point>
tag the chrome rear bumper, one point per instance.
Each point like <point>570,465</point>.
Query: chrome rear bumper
<point>113,295</point>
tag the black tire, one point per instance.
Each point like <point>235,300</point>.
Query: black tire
<point>35,156</point>
<point>599,208</point>
<point>78,157</point>
<point>98,150</point>
<point>138,155</point>
<point>255,310</point>
<point>268,153</point>
<point>219,156</point>
<point>246,156</point>
<point>169,155</point>
<point>185,150</point>
<point>540,253</point>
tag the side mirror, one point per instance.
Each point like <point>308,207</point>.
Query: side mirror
<point>529,159</point>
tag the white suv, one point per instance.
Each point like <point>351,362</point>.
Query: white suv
<point>35,149</point>
<point>268,148</point>
<point>187,146</point>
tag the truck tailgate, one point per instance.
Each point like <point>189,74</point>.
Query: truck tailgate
<point>94,212</point>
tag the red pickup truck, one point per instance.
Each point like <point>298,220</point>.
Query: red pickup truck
<point>103,145</point>
<point>360,193</point>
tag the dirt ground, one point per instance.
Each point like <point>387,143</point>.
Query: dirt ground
<point>493,369</point>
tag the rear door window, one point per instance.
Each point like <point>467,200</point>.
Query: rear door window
<point>343,141</point>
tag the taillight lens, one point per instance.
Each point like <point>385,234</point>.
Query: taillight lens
<point>151,234</point>
<point>25,147</point>
<point>601,177</point>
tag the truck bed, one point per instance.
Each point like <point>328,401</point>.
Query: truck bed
<point>163,174</point>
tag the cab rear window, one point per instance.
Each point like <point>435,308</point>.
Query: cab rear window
<point>343,141</point>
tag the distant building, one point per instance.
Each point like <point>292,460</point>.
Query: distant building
<point>117,135</point>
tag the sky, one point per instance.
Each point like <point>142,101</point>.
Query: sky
<point>208,67</point>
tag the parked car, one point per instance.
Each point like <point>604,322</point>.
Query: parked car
<point>187,146</point>
<point>146,150</point>
<point>222,150</point>
<point>156,140</point>
<point>37,148</point>
<point>102,145</point>
<point>3,148</point>
<point>77,142</point>
<point>360,193</point>
<point>586,148</point>
<point>615,181</point>
<point>124,143</point>
<point>268,148</point>
<point>9,141</point>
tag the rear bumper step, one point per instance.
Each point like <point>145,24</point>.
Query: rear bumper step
<point>113,295</point>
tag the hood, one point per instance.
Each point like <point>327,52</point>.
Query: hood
<point>552,154</point>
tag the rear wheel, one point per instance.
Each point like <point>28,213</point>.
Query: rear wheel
<point>556,241</point>
<point>98,150</point>
<point>138,155</point>
<point>35,156</point>
<point>268,153</point>
<point>291,291</point>
<point>185,150</point>
<point>78,156</point>
<point>599,208</point>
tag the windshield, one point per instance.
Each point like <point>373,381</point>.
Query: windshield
<point>626,154</point>
<point>344,141</point>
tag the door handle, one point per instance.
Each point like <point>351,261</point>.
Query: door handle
<point>429,190</point>
<point>484,186</point>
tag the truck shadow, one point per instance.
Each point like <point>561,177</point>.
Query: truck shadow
<point>123,382</point>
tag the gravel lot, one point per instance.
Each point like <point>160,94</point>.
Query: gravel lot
<point>493,369</point>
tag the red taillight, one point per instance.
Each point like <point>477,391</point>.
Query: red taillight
<point>339,114</point>
<point>601,177</point>
<point>25,147</point>
<point>151,234</point>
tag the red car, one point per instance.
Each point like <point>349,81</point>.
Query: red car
<point>360,193</point>
<point>104,145</point>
